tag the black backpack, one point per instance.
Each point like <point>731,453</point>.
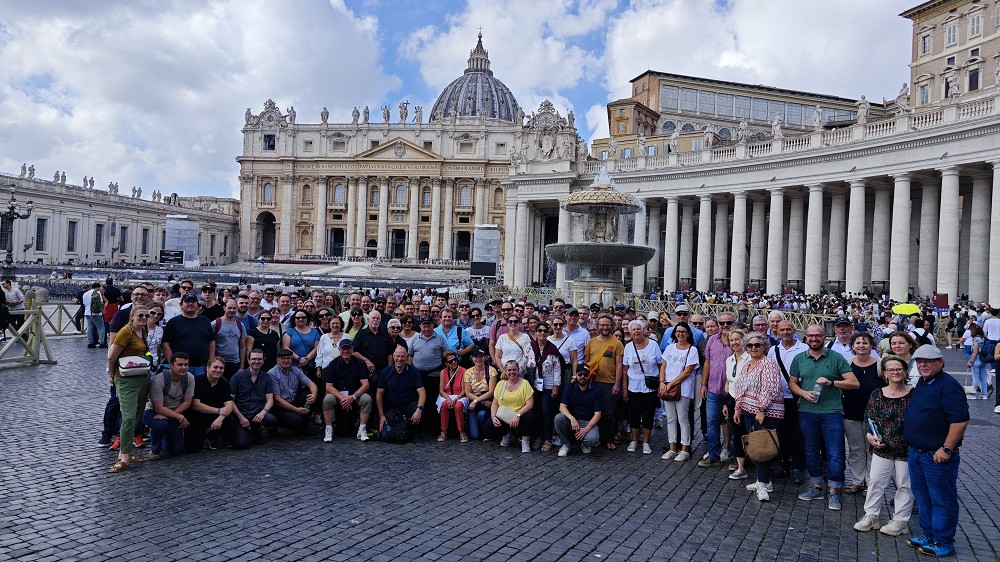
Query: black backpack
<point>396,429</point>
<point>922,339</point>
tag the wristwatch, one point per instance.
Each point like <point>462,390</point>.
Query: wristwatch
<point>947,449</point>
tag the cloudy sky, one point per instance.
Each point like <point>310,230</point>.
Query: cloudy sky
<point>153,93</point>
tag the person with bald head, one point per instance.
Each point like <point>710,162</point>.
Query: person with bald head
<point>793,455</point>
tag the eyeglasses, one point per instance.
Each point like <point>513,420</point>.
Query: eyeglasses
<point>191,287</point>
<point>452,360</point>
<point>505,309</point>
<point>541,330</point>
<point>265,317</point>
<point>324,315</point>
<point>699,324</point>
<point>269,293</point>
<point>140,294</point>
<point>393,327</point>
<point>683,313</point>
<point>410,322</point>
<point>155,313</point>
<point>558,324</point>
<point>356,315</point>
<point>463,306</point>
<point>754,345</point>
<point>725,323</point>
<point>475,316</point>
<point>895,370</point>
<point>142,316</point>
<point>301,317</point>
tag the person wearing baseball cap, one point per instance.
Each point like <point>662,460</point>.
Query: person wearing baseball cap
<point>346,389</point>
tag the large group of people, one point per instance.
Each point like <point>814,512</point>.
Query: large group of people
<point>232,367</point>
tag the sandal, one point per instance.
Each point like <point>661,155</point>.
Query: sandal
<point>134,459</point>
<point>464,437</point>
<point>546,447</point>
<point>611,446</point>
<point>852,489</point>
<point>443,436</point>
<point>119,466</point>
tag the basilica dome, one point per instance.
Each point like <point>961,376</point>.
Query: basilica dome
<point>476,91</point>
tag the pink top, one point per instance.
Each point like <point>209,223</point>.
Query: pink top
<point>759,386</point>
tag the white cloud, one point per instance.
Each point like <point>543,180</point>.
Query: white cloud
<point>155,93</point>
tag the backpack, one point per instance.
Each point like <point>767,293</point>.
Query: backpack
<point>166,382</point>
<point>396,429</point>
<point>218,324</point>
<point>96,303</point>
<point>922,339</point>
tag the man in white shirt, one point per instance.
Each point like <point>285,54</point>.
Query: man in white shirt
<point>793,455</point>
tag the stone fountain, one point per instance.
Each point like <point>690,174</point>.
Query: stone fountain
<point>603,252</point>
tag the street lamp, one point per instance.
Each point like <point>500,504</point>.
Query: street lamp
<point>10,215</point>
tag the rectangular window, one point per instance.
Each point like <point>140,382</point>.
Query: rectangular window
<point>976,25</point>
<point>696,145</point>
<point>706,102</point>
<point>974,52</point>
<point>145,241</point>
<point>973,79</point>
<point>604,156</point>
<point>689,99</point>
<point>307,146</point>
<point>211,246</point>
<point>71,228</point>
<point>669,97</point>
<point>996,16</point>
<point>925,44</point>
<point>776,108</point>
<point>41,229</point>
<point>724,104</point>
<point>428,146</point>
<point>951,34</point>
<point>122,239</point>
<point>950,61</point>
<point>466,147</point>
<point>626,153</point>
<point>98,238</point>
<point>269,142</point>
<point>793,114</point>
<point>4,229</point>
<point>163,240</point>
<point>501,148</point>
<point>225,245</point>
<point>742,106</point>
<point>650,150</point>
<point>338,146</point>
<point>758,110</point>
<point>923,94</point>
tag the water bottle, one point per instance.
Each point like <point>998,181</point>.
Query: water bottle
<point>817,390</point>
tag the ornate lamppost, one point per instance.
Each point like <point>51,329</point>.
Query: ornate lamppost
<point>9,216</point>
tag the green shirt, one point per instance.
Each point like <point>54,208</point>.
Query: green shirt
<point>807,369</point>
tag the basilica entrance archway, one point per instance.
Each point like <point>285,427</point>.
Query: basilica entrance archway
<point>266,228</point>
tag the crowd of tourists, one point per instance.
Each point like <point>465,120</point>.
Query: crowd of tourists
<point>229,367</point>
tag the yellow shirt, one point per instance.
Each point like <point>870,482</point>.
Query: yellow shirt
<point>513,399</point>
<point>603,353</point>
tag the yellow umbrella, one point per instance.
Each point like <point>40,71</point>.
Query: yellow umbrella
<point>906,308</point>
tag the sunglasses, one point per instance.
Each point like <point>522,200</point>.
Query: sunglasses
<point>155,313</point>
<point>324,315</point>
<point>558,325</point>
<point>410,322</point>
<point>542,330</point>
<point>725,323</point>
<point>302,318</point>
<point>356,315</point>
<point>265,317</point>
<point>452,360</point>
<point>475,316</point>
<point>188,288</point>
<point>142,315</point>
<point>754,345</point>
<point>697,323</point>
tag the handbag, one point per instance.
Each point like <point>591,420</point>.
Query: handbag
<point>133,366</point>
<point>673,393</point>
<point>761,445</point>
<point>506,414</point>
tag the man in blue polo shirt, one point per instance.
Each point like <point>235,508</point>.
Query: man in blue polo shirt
<point>817,377</point>
<point>456,339</point>
<point>933,427</point>
<point>579,414</point>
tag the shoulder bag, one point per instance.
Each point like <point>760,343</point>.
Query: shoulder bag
<point>673,393</point>
<point>761,445</point>
<point>505,414</point>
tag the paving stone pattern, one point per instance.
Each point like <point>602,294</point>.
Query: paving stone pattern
<point>298,498</point>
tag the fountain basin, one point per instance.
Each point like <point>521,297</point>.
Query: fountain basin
<point>600,255</point>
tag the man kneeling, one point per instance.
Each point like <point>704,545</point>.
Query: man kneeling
<point>170,395</point>
<point>295,394</point>
<point>579,414</point>
<point>346,388</point>
<point>400,392</point>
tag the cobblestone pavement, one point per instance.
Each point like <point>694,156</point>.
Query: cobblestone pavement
<point>298,498</point>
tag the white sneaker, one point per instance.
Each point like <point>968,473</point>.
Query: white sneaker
<point>525,446</point>
<point>631,446</point>
<point>867,523</point>
<point>505,442</point>
<point>762,494</point>
<point>362,434</point>
<point>586,449</point>
<point>738,475</point>
<point>753,487</point>
<point>705,456</point>
<point>996,410</point>
<point>564,450</point>
<point>669,455</point>
<point>895,528</point>
<point>328,434</point>
<point>646,449</point>
<point>682,456</point>
<point>724,457</point>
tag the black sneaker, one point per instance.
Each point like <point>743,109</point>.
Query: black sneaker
<point>211,444</point>
<point>91,345</point>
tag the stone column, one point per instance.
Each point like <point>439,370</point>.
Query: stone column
<point>964,236</point>
<point>479,199</point>
<point>899,255</point>
<point>523,232</point>
<point>509,239</point>
<point>703,279</point>
<point>814,241</point>
<point>286,240</point>
<point>562,236</point>
<point>928,241</point>
<point>687,240</point>
<point>639,271</point>
<point>383,217</point>
<point>994,238</point>
<point>320,234</point>
<point>720,265</point>
<point>435,250</point>
<point>670,247</point>
<point>655,231</point>
<point>413,237</point>
<point>796,236</point>
<point>855,264</point>
<point>449,213</point>
<point>247,241</point>
<point>758,237</point>
<point>776,241</point>
<point>361,238</point>
<point>979,250</point>
<point>350,205</point>
<point>737,275</point>
<point>880,240</point>
<point>947,247</point>
<point>837,260</point>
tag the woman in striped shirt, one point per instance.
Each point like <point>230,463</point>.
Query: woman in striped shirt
<point>760,400</point>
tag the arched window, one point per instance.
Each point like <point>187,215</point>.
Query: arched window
<point>268,194</point>
<point>339,194</point>
<point>498,198</point>
<point>307,194</point>
<point>669,126</point>
<point>687,127</point>
<point>725,133</point>
<point>373,197</point>
<point>465,196</point>
<point>400,194</point>
<point>760,134</point>
<point>425,197</point>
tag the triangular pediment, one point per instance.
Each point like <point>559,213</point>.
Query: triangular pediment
<point>399,149</point>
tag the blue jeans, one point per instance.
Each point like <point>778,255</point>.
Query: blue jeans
<point>713,409</point>
<point>980,376</point>
<point>935,489</point>
<point>112,416</point>
<point>829,427</point>
<point>606,426</point>
<point>764,468</point>
<point>478,419</point>
<point>95,330</point>
<point>164,435</point>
